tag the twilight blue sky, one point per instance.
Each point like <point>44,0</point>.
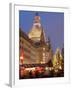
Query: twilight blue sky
<point>52,22</point>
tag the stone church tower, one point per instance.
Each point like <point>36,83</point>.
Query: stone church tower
<point>37,35</point>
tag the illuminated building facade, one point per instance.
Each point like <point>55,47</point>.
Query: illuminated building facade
<point>27,50</point>
<point>34,47</point>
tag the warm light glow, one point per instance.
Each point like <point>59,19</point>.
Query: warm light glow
<point>43,54</point>
<point>42,62</point>
<point>50,68</point>
<point>35,33</point>
<point>30,69</point>
<point>43,48</point>
<point>56,70</point>
<point>37,24</point>
<point>60,67</point>
<point>21,57</point>
<point>46,68</point>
